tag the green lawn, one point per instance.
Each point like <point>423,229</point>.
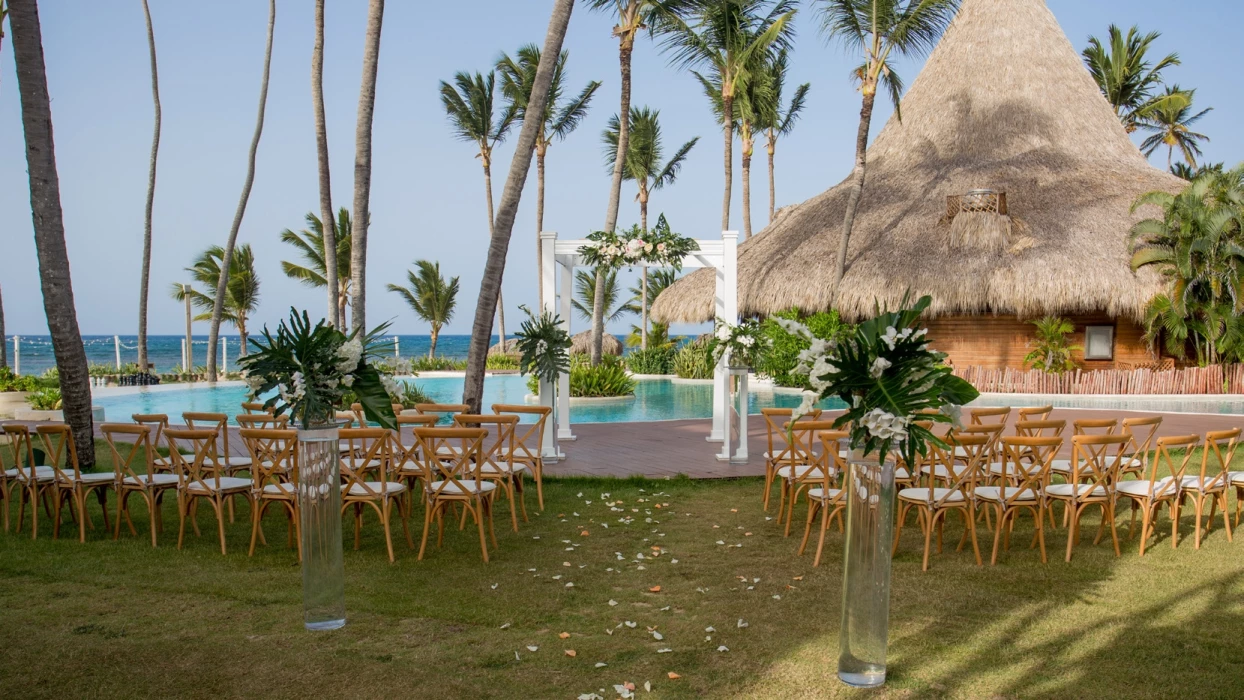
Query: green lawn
<point>119,619</point>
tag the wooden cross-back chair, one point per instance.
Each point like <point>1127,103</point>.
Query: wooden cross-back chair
<point>201,477</point>
<point>372,453</point>
<point>1087,426</point>
<point>359,415</point>
<point>1210,485</point>
<point>989,415</point>
<point>231,464</point>
<point>451,459</point>
<point>779,445</point>
<point>1025,470</point>
<point>529,440</point>
<point>255,408</point>
<point>406,450</point>
<point>801,462</point>
<point>158,423</point>
<point>1148,494</point>
<point>1094,471</point>
<point>444,412</point>
<point>32,483</point>
<point>1142,432</point>
<point>136,473</point>
<point>274,480</point>
<point>261,421</point>
<point>1028,429</point>
<point>935,503</point>
<point>71,481</point>
<point>495,453</point>
<point>1033,413</point>
<point>824,496</point>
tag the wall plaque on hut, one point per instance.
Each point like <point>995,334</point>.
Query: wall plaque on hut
<point>979,220</point>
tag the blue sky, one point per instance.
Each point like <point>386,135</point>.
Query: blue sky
<point>427,192</point>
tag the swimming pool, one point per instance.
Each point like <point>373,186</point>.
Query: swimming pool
<point>654,400</point>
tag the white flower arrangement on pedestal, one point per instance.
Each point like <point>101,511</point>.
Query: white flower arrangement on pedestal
<point>742,344</point>
<point>889,378</point>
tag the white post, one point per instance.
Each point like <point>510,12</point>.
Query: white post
<point>17,354</point>
<point>563,382</point>
<point>183,355</point>
<point>397,347</point>
<point>740,455</point>
<point>116,343</point>
<point>224,356</point>
<point>548,292</point>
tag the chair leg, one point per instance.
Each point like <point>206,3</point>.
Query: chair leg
<point>1072,523</point>
<point>1145,524</point>
<point>256,516</point>
<point>997,534</point>
<point>479,524</point>
<point>80,501</point>
<point>116,532</point>
<point>218,506</point>
<point>153,511</point>
<point>492,525</point>
<point>820,542</point>
<point>181,516</point>
<point>509,493</point>
<point>522,495</point>
<point>764,499</point>
<point>385,511</point>
<point>1226,522</point>
<point>58,500</point>
<point>427,523</point>
<point>538,475</point>
<point>807,530</point>
<point>1200,504</point>
<point>1108,512</point>
<point>928,541</point>
<point>1041,530</point>
<point>969,515</point>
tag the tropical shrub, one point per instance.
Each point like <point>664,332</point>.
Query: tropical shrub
<point>499,360</point>
<point>436,364</point>
<point>782,356</point>
<point>1051,351</point>
<point>695,360</point>
<point>45,400</point>
<point>604,380</point>
<point>13,382</point>
<point>544,346</point>
<point>654,360</point>
<point>410,395</point>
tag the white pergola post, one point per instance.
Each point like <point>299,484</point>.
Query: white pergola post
<point>548,292</point>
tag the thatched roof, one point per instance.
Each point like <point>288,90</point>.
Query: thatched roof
<point>1005,103</point>
<point>581,343</point>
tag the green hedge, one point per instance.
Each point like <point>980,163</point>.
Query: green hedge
<point>784,348</point>
<point>695,359</point>
<point>654,360</point>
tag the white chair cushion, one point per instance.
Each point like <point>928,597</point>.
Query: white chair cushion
<point>1194,483</point>
<point>1236,478</point>
<point>227,484</point>
<point>42,474</point>
<point>901,474</point>
<point>942,473</point>
<point>1004,493</point>
<point>281,489</point>
<point>489,468</point>
<point>89,478</point>
<point>1061,465</point>
<point>1140,488</point>
<point>922,495</point>
<point>802,472</point>
<point>468,484</point>
<point>374,489</point>
<point>1082,490</point>
<point>820,494</point>
<point>155,480</point>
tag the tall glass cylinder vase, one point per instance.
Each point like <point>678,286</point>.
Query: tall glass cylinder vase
<point>866,572</point>
<point>319,503</point>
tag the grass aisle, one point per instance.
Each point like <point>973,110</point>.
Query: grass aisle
<point>118,619</point>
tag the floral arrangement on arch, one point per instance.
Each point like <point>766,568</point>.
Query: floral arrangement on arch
<point>312,367</point>
<point>659,247</point>
<point>889,378</point>
<point>744,342</point>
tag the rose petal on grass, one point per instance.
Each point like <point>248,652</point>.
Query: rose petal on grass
<point>723,647</point>
<point>673,676</point>
<point>710,628</point>
<point>647,686</point>
<point>777,597</point>
<point>630,624</point>
<point>564,635</point>
<point>612,602</point>
<point>666,650</point>
<point>601,664</point>
<point>531,648</point>
<point>494,586</point>
<point>657,635</point>
<point>654,589</point>
<point>720,542</point>
<point>571,653</point>
<point>570,584</point>
<point>505,626</point>
<point>798,578</point>
<point>742,623</point>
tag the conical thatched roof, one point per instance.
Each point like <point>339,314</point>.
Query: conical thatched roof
<point>1004,103</point>
<point>581,344</point>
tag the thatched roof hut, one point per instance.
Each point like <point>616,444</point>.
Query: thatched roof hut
<point>581,344</point>
<point>1004,104</point>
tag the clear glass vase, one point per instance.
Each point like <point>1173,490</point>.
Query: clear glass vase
<point>866,572</point>
<point>319,504</point>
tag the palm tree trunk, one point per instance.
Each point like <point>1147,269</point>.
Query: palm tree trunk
<point>436,332</point>
<point>643,275</point>
<point>321,151</point>
<point>727,109</point>
<point>770,147</point>
<point>145,275</point>
<point>626,45</point>
<point>49,227</point>
<point>213,337</point>
<point>747,187</point>
<point>491,233</point>
<point>494,268</point>
<point>857,185</point>
<point>362,165</point>
<point>4,344</point>
<point>541,152</point>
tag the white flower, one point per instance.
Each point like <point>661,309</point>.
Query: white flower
<point>648,248</point>
<point>391,386</point>
<point>805,407</point>
<point>348,356</point>
<point>955,413</point>
<point>890,336</point>
<point>880,365</point>
<point>795,328</point>
<point>284,392</point>
<point>747,341</point>
<point>885,426</point>
<point>723,331</point>
<point>347,381</point>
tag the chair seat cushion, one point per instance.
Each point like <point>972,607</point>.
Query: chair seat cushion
<point>1236,478</point>
<point>228,484</point>
<point>282,489</point>
<point>1081,490</point>
<point>239,462</point>
<point>803,472</point>
<point>1211,483</point>
<point>89,478</point>
<point>820,494</point>
<point>1005,493</point>
<point>374,489</point>
<point>467,484</point>
<point>941,472</point>
<point>154,480</point>
<point>1062,466</point>
<point>490,468</point>
<point>921,495</point>
<point>42,474</point>
<point>901,474</point>
<point>1162,487</point>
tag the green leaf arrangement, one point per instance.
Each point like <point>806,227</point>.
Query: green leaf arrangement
<point>544,346</point>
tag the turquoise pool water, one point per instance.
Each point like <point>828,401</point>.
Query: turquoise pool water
<point>655,399</point>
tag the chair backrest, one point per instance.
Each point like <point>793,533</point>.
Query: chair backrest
<point>156,421</point>
<point>1040,428</point>
<point>273,455</point>
<point>963,479</point>
<point>219,421</point>
<point>373,447</point>
<point>444,411</point>
<point>1217,456</point>
<point>397,409</point>
<point>346,417</point>
<point>262,421</point>
<point>449,457</point>
<point>802,454</point>
<point>139,460</point>
<point>357,409</point>
<point>832,442</point>
<point>59,447</point>
<point>776,422</point>
<point>1095,459</point>
<point>1175,466</point>
<point>528,437</point>
<point>992,433</point>
<point>21,449</point>
<point>204,467</point>
<point>1027,460</point>
<point>1032,413</point>
<point>499,444</point>
<point>254,408</point>
<point>1142,432</point>
<point>1095,426</point>
<point>989,416</point>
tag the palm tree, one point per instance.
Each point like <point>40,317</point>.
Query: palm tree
<point>644,166</point>
<point>4,347</point>
<point>49,226</point>
<point>145,275</point>
<point>879,29</point>
<point>1122,71</point>
<point>362,164</point>
<point>518,76</point>
<point>242,298</point>
<point>1189,173</point>
<point>223,284</point>
<point>471,112</point>
<point>632,16</point>
<point>1169,124</point>
<point>511,195</point>
<point>335,312</point>
<point>774,120</point>
<point>311,243</point>
<point>650,287</point>
<point>585,295</point>
<point>429,296</point>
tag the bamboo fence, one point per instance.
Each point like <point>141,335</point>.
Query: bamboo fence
<point>1214,379</point>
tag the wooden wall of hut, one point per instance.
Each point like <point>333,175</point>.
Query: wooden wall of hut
<point>1003,341</point>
